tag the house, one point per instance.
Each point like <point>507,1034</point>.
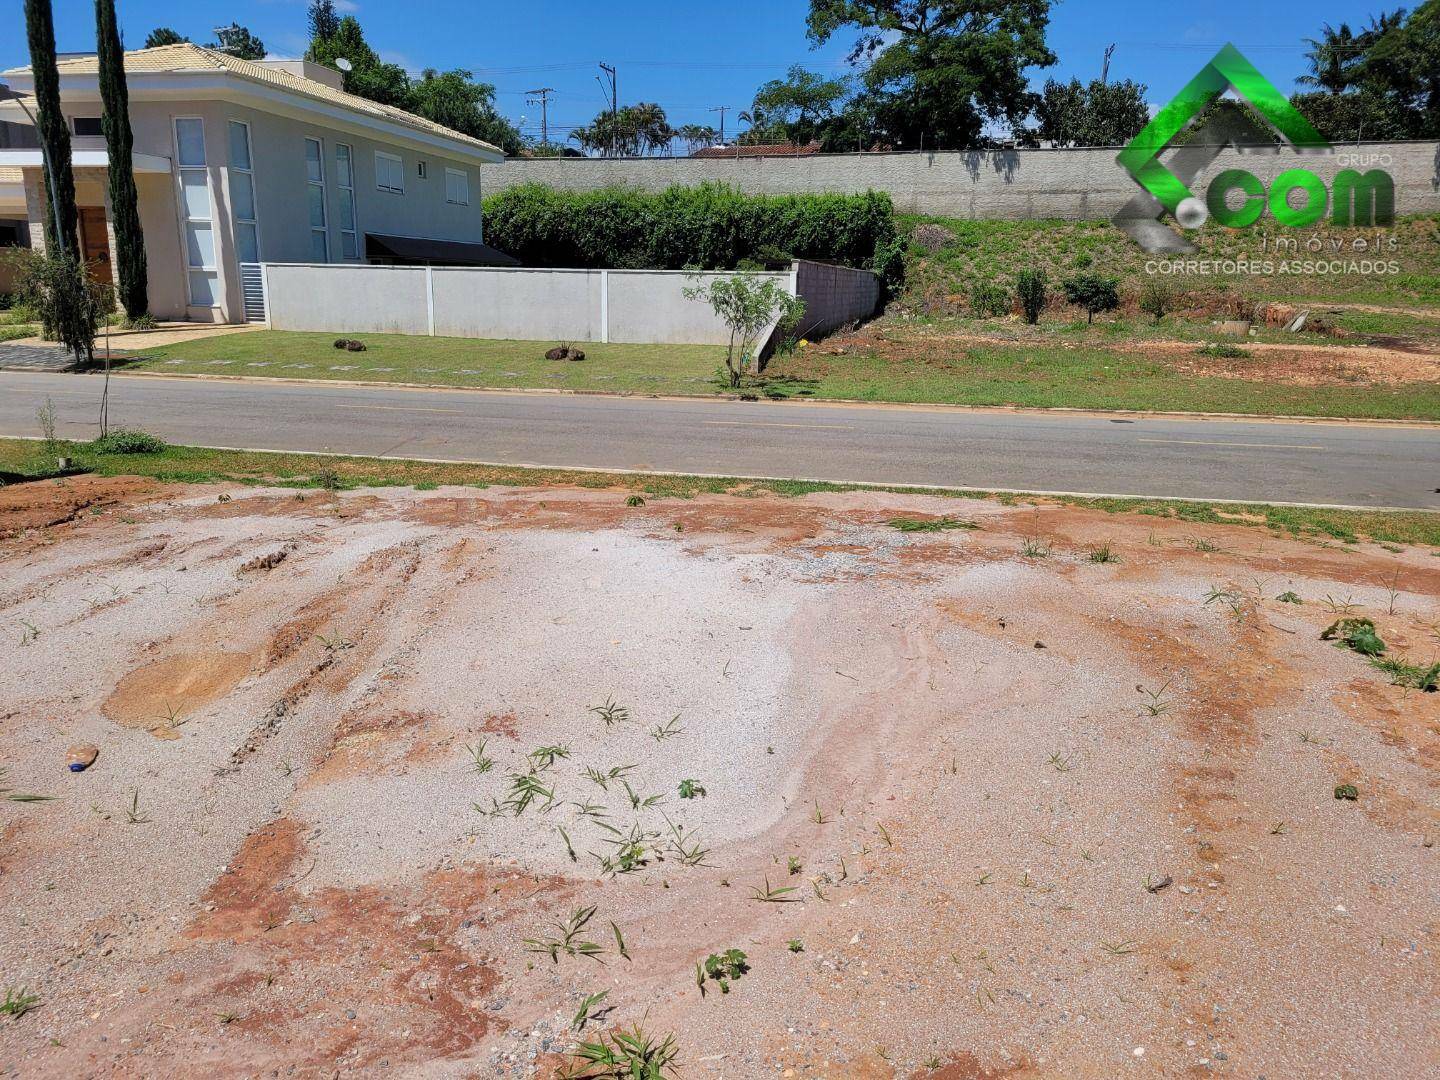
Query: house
<point>239,161</point>
<point>759,150</point>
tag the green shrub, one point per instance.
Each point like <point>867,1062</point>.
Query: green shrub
<point>1093,293</point>
<point>1030,288</point>
<point>128,441</point>
<point>988,300</point>
<point>1357,634</point>
<point>1157,297</point>
<point>711,226</point>
<point>1224,350</point>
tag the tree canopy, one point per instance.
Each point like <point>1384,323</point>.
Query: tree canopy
<point>939,71</point>
<point>634,131</point>
<point>163,35</point>
<point>1100,114</point>
<point>238,41</point>
<point>796,108</point>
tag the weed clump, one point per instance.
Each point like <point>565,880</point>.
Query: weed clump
<point>128,441</point>
<point>1356,634</point>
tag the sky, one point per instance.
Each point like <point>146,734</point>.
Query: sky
<point>693,58</point>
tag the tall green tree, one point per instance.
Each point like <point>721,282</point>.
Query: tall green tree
<point>800,105</point>
<point>163,35</point>
<point>1098,114</point>
<point>60,213</point>
<point>238,41</point>
<point>635,131</point>
<point>939,71</point>
<point>322,20</point>
<point>130,271</point>
<point>457,101</point>
<point>369,76</point>
<point>1333,57</point>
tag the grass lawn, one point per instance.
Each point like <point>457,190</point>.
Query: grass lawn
<point>1041,374</point>
<point>1049,376</point>
<point>616,368</point>
<point>24,458</point>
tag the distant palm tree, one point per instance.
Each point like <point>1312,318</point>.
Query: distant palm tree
<point>1333,58</point>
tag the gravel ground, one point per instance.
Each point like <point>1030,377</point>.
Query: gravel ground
<point>1039,816</point>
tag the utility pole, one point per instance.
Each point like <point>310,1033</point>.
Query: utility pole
<point>543,94</point>
<point>722,110</point>
<point>614,104</point>
<point>1105,68</point>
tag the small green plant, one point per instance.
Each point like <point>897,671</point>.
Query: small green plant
<point>722,969</point>
<point>568,940</point>
<point>1289,598</point>
<point>18,1002</point>
<point>624,1055</point>
<point>1035,548</point>
<point>610,712</point>
<point>988,300</point>
<point>1348,792</point>
<point>133,814</point>
<point>794,865</point>
<point>1157,298</point>
<point>795,945</point>
<point>1104,554</point>
<point>1156,703</point>
<point>479,760</point>
<point>634,500</point>
<point>668,730</point>
<point>748,305</point>
<point>1118,948</point>
<point>1059,762</point>
<point>1356,634</point>
<point>587,1009</point>
<point>1404,673</point>
<point>1093,293</point>
<point>328,479</point>
<point>771,895</point>
<point>1030,290</point>
<point>942,524</point>
<point>691,789</point>
<point>1223,350</point>
<point>545,757</point>
<point>128,441</point>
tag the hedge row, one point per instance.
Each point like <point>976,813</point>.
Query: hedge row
<point>710,227</point>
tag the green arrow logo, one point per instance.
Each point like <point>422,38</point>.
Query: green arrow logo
<point>1141,157</point>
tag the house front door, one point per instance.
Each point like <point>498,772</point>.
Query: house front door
<point>95,243</point>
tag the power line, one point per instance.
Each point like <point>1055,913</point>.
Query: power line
<point>543,93</point>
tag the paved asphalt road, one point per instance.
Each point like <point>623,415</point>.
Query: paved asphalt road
<point>1372,465</point>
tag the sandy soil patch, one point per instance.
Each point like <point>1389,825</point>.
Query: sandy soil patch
<point>968,813</point>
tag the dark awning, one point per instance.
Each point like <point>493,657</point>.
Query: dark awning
<point>417,251</point>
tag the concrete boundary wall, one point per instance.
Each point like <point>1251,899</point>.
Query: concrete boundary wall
<point>1078,184</point>
<point>636,306</point>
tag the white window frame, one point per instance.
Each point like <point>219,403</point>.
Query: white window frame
<point>347,228</point>
<point>324,227</point>
<point>464,179</point>
<point>212,269</point>
<point>380,184</point>
<point>253,222</point>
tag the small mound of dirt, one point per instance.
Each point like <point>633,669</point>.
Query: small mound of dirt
<point>930,238</point>
<point>264,562</point>
<point>159,696</point>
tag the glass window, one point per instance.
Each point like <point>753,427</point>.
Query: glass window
<point>195,193</point>
<point>190,142</point>
<point>202,289</point>
<point>239,145</point>
<point>344,167</point>
<point>347,246</point>
<point>199,244</point>
<point>247,242</point>
<point>89,126</point>
<point>389,173</point>
<point>319,247</point>
<point>317,206</point>
<point>457,187</point>
<point>314,163</point>
<point>242,195</point>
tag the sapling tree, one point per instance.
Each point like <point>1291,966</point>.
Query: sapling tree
<point>748,304</point>
<point>1093,293</point>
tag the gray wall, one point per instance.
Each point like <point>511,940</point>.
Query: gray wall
<point>640,306</point>
<point>835,296</point>
<point>1076,184</point>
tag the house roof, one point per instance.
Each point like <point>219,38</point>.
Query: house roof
<point>188,57</point>
<point>759,150</point>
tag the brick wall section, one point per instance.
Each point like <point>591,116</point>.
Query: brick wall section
<point>1015,184</point>
<point>834,296</point>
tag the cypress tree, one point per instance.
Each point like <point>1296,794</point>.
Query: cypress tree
<point>119,141</point>
<point>60,235</point>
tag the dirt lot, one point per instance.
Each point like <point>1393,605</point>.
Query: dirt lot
<point>977,769</point>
